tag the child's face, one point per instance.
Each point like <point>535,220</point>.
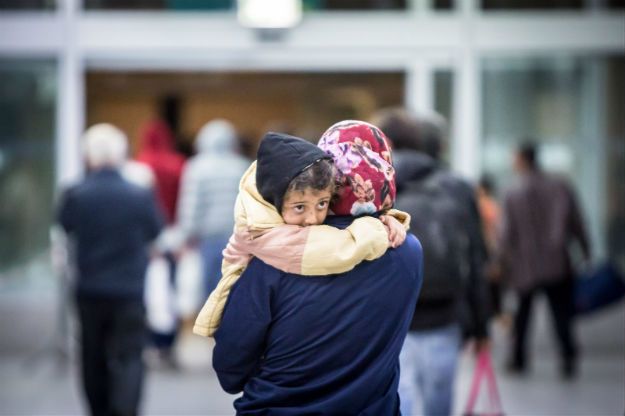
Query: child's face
<point>309,207</point>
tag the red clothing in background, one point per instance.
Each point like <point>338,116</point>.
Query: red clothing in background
<point>157,150</point>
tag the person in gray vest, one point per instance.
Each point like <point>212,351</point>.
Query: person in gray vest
<point>453,303</point>
<point>208,191</point>
<point>112,223</point>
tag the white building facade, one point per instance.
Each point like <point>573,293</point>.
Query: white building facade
<point>499,76</point>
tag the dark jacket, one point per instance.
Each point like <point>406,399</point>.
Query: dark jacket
<point>541,219</point>
<point>112,222</point>
<point>470,307</point>
<point>319,345</point>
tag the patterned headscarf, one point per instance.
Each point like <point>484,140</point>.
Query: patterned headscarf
<point>366,177</point>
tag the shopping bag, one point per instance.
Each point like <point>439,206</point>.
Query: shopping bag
<point>159,297</point>
<point>598,288</point>
<point>484,373</point>
<point>189,283</point>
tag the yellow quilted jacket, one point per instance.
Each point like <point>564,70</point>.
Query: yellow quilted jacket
<point>317,250</point>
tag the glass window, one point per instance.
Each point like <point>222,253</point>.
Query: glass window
<point>357,4</point>
<point>551,4</point>
<point>443,4</point>
<point>159,4</point>
<point>572,107</point>
<point>615,152</point>
<point>28,92</point>
<point>616,4</point>
<point>443,93</point>
<point>27,4</point>
<point>532,4</point>
<point>443,102</point>
<point>531,98</point>
<point>308,5</point>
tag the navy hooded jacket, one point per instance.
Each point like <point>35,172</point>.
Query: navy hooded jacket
<point>319,345</point>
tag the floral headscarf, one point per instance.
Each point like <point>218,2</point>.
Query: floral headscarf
<point>366,177</point>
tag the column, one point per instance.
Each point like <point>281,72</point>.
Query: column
<point>69,165</point>
<point>465,140</point>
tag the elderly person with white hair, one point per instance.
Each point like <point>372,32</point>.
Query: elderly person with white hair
<point>112,222</point>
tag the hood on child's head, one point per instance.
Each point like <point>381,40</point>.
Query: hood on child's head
<point>279,160</point>
<point>362,156</point>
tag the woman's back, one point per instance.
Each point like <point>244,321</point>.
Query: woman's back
<point>329,345</point>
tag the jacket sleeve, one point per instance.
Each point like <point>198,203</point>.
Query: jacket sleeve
<point>193,205</point>
<point>508,235</point>
<point>576,225</point>
<point>240,339</point>
<point>329,250</point>
<point>187,211</point>
<point>154,220</point>
<point>210,316</point>
<point>66,212</point>
<point>236,258</point>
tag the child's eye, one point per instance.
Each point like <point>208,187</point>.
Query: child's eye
<point>298,208</point>
<point>322,204</point>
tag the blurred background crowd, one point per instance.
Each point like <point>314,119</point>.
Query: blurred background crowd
<point>195,83</point>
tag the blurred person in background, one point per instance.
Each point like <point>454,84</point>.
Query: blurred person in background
<point>490,213</point>
<point>209,187</point>
<point>453,303</point>
<point>541,218</point>
<point>157,150</point>
<point>112,223</point>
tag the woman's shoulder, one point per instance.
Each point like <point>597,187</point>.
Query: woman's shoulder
<point>411,248</point>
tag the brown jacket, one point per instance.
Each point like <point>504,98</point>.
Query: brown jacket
<point>540,219</point>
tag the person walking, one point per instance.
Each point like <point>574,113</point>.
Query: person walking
<point>208,191</point>
<point>490,213</point>
<point>453,303</point>
<point>284,239</point>
<point>327,344</point>
<point>112,223</point>
<point>157,151</point>
<point>541,219</point>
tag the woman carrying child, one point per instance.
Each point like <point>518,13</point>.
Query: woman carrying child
<point>293,239</point>
<point>325,344</point>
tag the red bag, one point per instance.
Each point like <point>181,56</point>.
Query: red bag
<point>484,371</point>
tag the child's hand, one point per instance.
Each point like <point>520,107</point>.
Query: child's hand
<point>396,231</point>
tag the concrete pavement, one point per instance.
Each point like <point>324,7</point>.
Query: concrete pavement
<point>33,384</point>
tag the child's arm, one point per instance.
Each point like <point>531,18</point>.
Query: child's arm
<point>237,256</point>
<point>321,249</point>
<point>209,317</point>
<point>316,250</point>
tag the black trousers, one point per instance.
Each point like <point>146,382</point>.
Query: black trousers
<point>112,335</point>
<point>560,299</point>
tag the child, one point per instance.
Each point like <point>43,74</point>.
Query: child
<point>298,178</point>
